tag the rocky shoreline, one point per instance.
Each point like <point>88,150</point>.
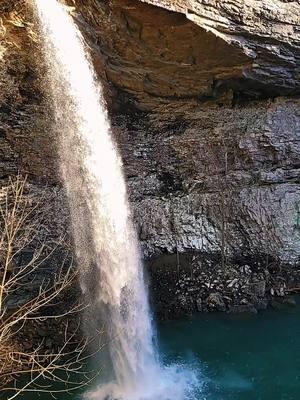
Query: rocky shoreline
<point>187,283</point>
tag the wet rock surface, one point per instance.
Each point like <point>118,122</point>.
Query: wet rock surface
<point>208,164</point>
<point>186,283</point>
<point>204,102</point>
<point>217,173</point>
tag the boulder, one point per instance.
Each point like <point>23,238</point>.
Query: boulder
<point>215,302</point>
<point>242,309</point>
<point>199,305</point>
<point>259,288</point>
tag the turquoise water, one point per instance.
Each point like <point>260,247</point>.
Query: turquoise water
<point>237,358</point>
<point>250,358</point>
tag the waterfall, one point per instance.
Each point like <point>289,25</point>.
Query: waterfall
<point>105,240</point>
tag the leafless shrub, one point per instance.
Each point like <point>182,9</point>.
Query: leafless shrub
<point>25,251</point>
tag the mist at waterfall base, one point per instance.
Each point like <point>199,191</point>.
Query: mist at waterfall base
<point>105,240</point>
<point>241,357</point>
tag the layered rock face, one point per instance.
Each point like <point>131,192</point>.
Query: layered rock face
<point>266,31</point>
<point>25,140</point>
<point>211,151</point>
<point>225,174</point>
<point>203,101</point>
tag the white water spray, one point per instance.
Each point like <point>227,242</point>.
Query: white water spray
<point>106,244</point>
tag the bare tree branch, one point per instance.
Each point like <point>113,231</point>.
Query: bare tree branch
<point>26,251</point>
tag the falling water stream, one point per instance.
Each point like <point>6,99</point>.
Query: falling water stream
<point>105,240</point>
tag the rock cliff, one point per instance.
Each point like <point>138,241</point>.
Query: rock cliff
<point>203,98</point>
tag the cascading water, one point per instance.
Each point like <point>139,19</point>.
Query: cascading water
<point>105,240</point>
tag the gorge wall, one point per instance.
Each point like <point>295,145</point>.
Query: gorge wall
<point>203,98</point>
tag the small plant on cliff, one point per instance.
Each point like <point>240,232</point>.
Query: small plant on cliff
<point>36,273</point>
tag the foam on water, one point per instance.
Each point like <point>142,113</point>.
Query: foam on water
<point>168,383</point>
